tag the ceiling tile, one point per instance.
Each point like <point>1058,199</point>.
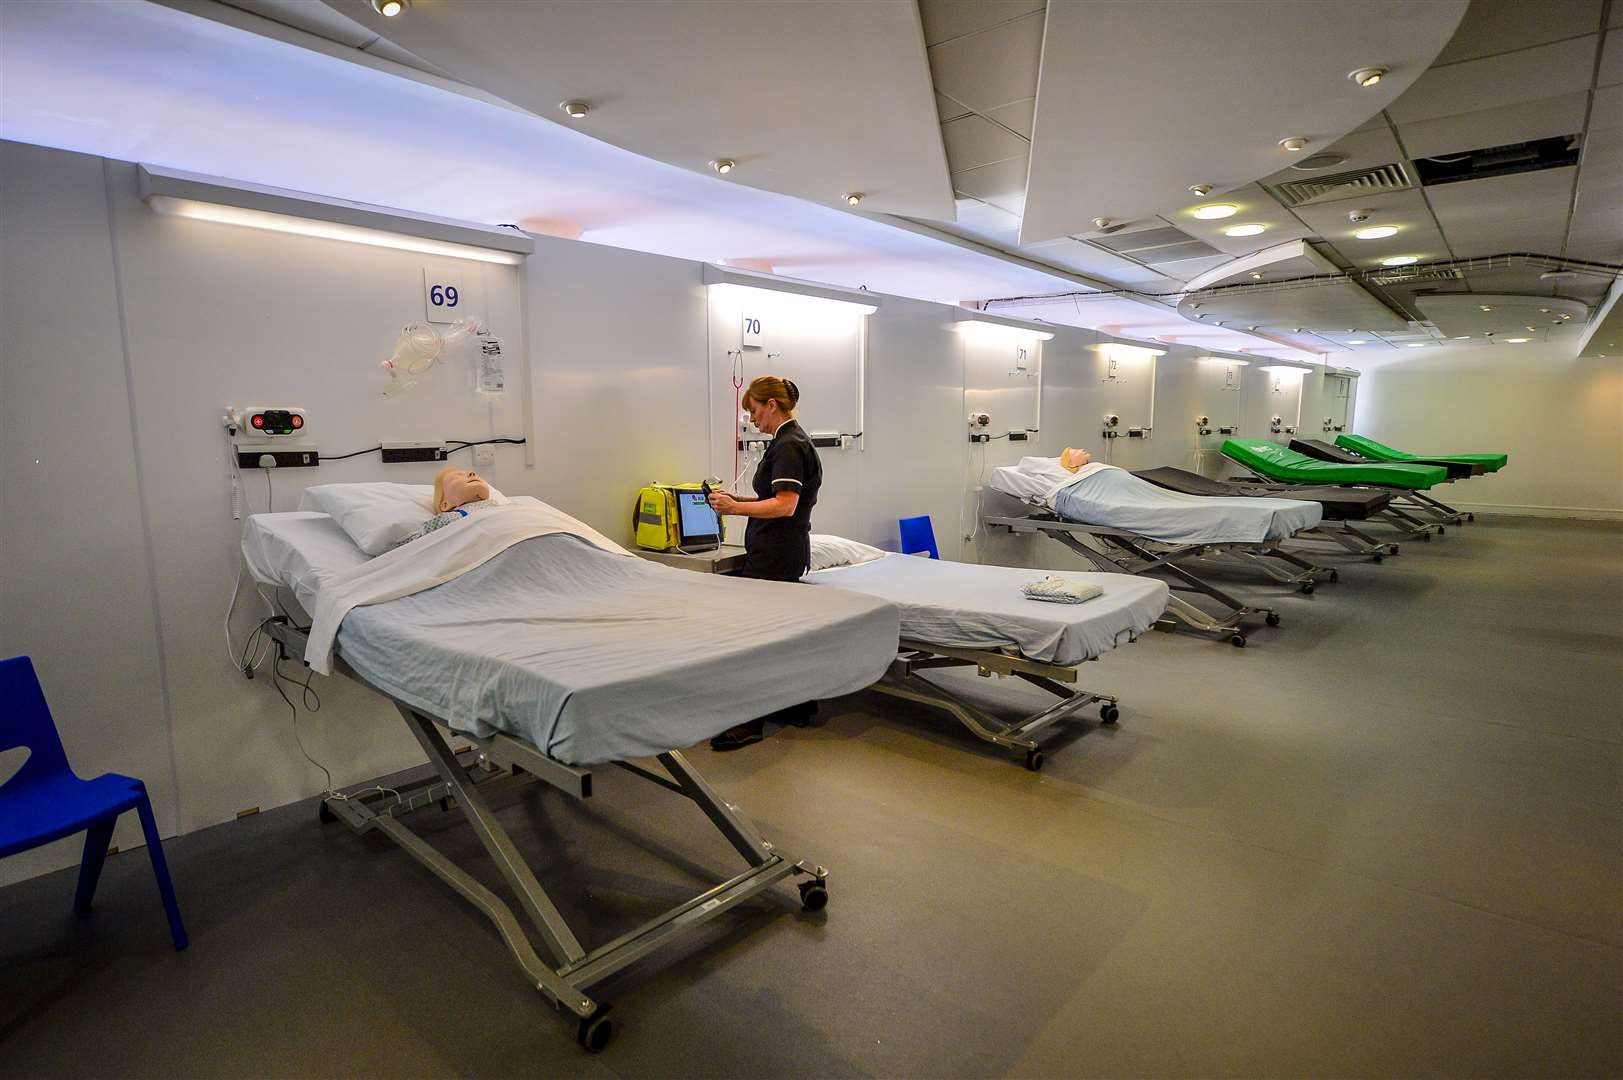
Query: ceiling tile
<point>1562,115</point>
<point>1596,237</point>
<point>1611,60</point>
<point>1362,149</point>
<point>1541,237</point>
<point>1496,26</point>
<point>1529,75</point>
<point>947,109</point>
<point>992,68</point>
<point>984,222</point>
<point>1607,114</point>
<point>1017,116</point>
<point>1524,197</point>
<point>947,19</point>
<point>973,141</point>
<point>1004,180</point>
<point>1407,210</point>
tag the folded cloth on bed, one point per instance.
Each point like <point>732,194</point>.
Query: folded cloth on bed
<point>433,560</point>
<point>1054,589</point>
<point>1107,497</point>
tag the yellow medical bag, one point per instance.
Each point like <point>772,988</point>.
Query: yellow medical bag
<point>657,519</point>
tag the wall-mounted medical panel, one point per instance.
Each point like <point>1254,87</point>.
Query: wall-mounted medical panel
<point>1125,373</point>
<point>219,314</point>
<point>1273,400</point>
<point>1217,408</point>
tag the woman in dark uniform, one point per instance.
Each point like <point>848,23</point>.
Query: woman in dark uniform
<point>777,541</point>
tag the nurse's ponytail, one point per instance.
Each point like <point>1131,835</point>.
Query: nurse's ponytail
<point>772,388</point>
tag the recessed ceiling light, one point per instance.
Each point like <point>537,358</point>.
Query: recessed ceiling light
<point>1557,275</point>
<point>1484,307</point>
<point>853,198</point>
<point>724,165</point>
<point>575,110</point>
<point>1367,76</point>
<point>1544,310</point>
<point>1463,337</point>
<point>1518,340</point>
<point>1357,341</point>
<point>1200,190</point>
<point>1215,210</point>
<point>1376,232</point>
<point>389,8</point>
<point>1244,230</point>
<point>1400,260</point>
<point>1416,344</point>
<point>1255,276</point>
<point>1533,329</point>
<point>1293,144</point>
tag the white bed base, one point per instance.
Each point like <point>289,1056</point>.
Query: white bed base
<point>906,680</point>
<point>502,762</point>
<point>1119,552</point>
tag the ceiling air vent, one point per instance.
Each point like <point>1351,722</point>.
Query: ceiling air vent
<point>1402,275</point>
<point>1156,246</point>
<point>1344,185</point>
<point>1556,152</point>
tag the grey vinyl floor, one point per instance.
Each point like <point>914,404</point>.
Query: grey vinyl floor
<point>1384,840</point>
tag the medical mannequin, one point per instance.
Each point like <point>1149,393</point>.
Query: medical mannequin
<point>457,493</point>
<point>1073,459</point>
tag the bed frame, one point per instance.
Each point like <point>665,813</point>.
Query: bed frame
<point>905,679</point>
<point>1394,514</point>
<point>467,778</point>
<point>1119,552</point>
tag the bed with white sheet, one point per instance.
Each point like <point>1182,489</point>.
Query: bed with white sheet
<point>981,607</point>
<point>588,655</point>
<point>967,615</point>
<point>1109,497</point>
<point>551,649</point>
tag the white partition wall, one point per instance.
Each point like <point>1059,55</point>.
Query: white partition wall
<point>1272,390</point>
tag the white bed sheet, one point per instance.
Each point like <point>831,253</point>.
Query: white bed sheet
<point>1109,497</point>
<point>587,655</point>
<point>966,605</point>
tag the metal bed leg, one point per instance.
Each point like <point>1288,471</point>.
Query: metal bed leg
<point>1446,513</point>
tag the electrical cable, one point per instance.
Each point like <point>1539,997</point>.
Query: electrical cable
<point>354,453</point>
<point>276,681</point>
<point>453,445</point>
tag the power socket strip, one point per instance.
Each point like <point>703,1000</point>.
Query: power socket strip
<point>398,453</point>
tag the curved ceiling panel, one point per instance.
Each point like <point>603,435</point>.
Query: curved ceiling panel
<point>1137,102</point>
<point>811,100</point>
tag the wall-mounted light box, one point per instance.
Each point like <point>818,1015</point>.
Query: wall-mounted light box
<point>744,285</point>
<point>980,324</point>
<point>230,202</point>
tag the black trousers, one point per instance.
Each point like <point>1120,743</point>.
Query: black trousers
<point>782,563</point>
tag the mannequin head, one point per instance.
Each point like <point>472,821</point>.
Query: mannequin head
<point>1073,459</point>
<point>454,487</point>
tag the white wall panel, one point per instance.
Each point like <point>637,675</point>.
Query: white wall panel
<point>219,314</point>
<point>75,592</point>
<point>1559,418</point>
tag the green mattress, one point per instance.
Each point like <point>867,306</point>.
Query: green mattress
<point>1358,444</point>
<point>1275,461</point>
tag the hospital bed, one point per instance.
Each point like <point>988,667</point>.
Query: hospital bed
<point>1417,501</point>
<point>963,615</point>
<point>1280,464</point>
<point>1369,448</point>
<point>1342,505</point>
<point>1122,524</point>
<point>549,658</point>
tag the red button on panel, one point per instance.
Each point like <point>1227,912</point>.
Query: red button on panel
<point>259,420</point>
<point>298,421</point>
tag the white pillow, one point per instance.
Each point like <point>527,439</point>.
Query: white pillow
<point>377,516</point>
<point>831,551</point>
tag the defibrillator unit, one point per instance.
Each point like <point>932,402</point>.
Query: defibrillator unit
<point>672,517</point>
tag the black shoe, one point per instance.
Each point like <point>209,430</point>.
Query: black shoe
<point>736,738</point>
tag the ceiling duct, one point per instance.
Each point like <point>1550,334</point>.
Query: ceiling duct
<point>1357,184</point>
<point>1402,275</point>
<point>1556,152</point>
<point>1156,246</point>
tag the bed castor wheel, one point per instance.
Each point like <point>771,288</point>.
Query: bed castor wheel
<point>1426,536</point>
<point>1108,713</point>
<point>1441,530</point>
<point>1238,640</point>
<point>1034,760</point>
<point>813,895</point>
<point>323,814</point>
<point>1470,517</point>
<point>1272,619</point>
<point>1394,549</point>
<point>594,1032</point>
<point>1335,575</point>
<point>1307,588</point>
<point>1377,557</point>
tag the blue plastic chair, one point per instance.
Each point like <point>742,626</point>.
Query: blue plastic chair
<point>918,537</point>
<point>45,801</point>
